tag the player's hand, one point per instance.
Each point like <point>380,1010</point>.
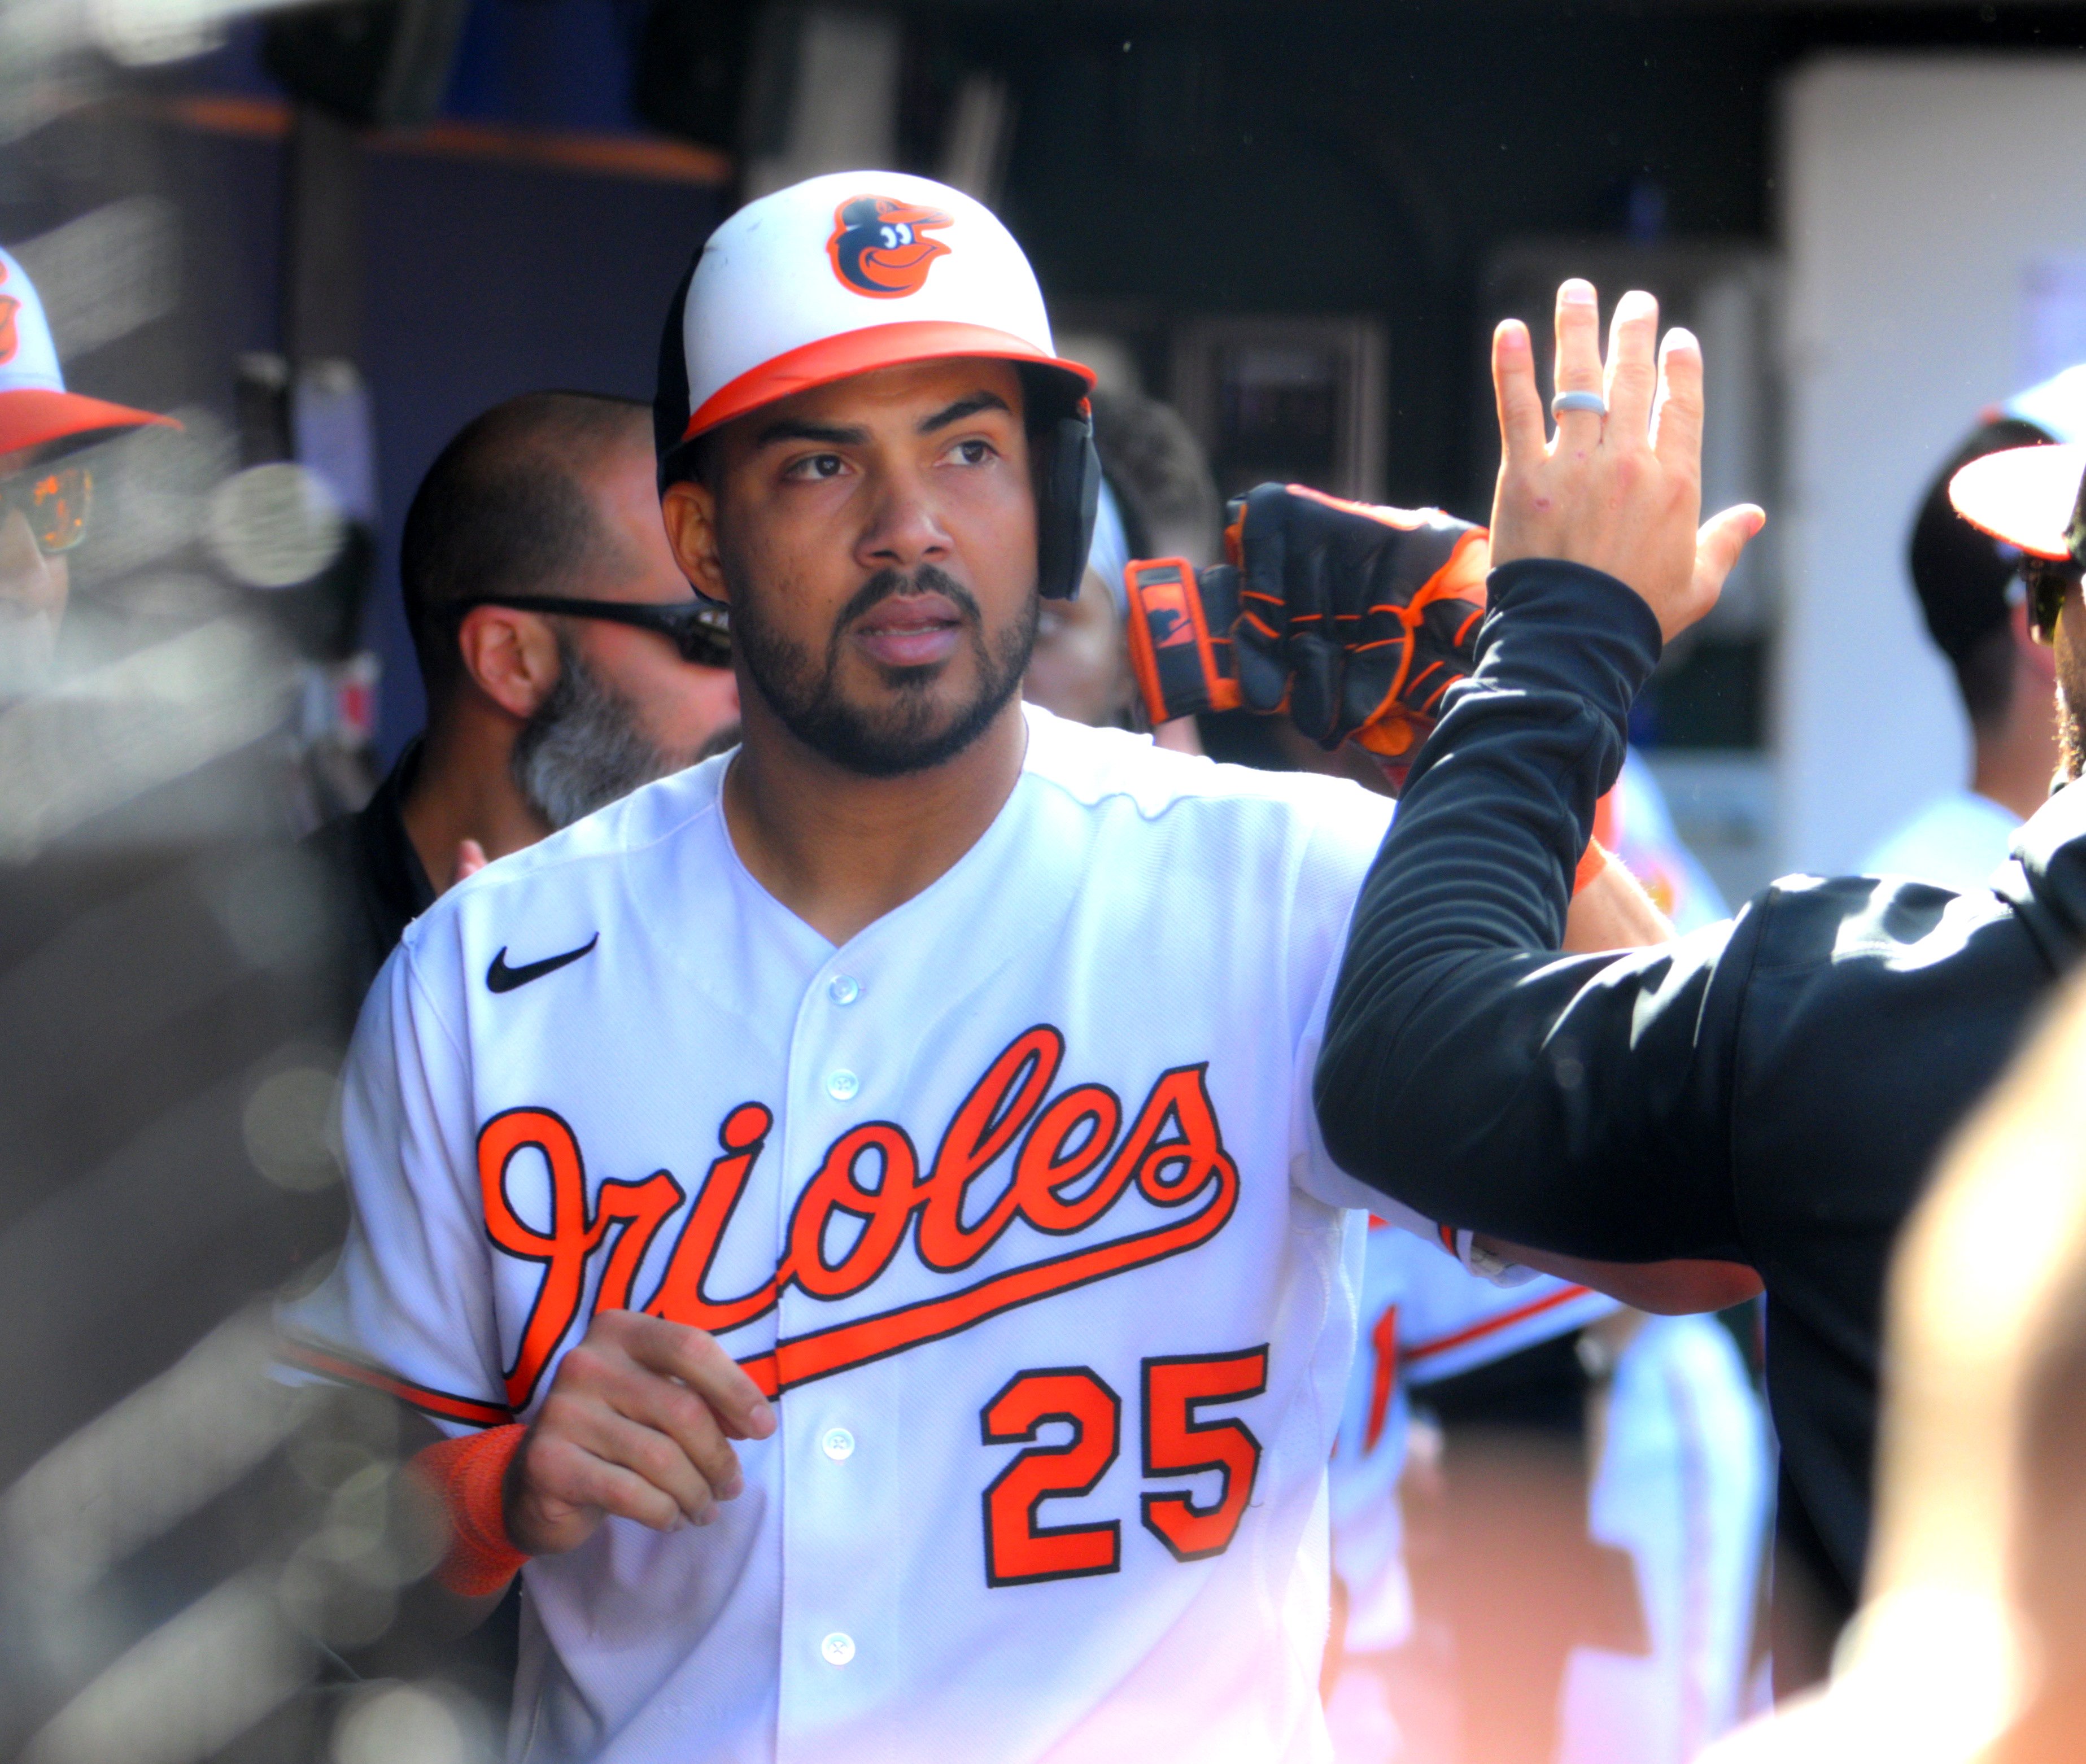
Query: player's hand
<point>1620,493</point>
<point>639,1422</point>
<point>1356,618</point>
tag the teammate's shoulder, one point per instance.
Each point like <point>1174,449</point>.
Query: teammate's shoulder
<point>1093,766</point>
<point>582,856</point>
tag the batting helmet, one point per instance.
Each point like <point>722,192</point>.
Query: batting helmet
<point>842,275</point>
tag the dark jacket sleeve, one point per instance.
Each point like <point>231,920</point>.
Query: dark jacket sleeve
<point>1573,1104</point>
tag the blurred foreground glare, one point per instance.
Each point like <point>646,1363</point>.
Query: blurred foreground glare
<point>197,1560</point>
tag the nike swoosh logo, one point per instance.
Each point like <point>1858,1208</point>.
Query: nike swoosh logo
<point>500,978</point>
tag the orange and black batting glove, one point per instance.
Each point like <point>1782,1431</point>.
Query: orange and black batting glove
<point>1354,619</point>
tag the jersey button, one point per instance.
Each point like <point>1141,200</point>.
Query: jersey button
<point>838,1648</point>
<point>838,1445</point>
<point>841,1085</point>
<point>844,988</point>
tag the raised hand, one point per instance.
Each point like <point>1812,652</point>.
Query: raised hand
<point>1622,492</point>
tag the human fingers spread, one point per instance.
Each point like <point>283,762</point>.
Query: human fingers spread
<point>1718,545</point>
<point>1676,421</point>
<point>678,1351</point>
<point>1523,434</point>
<point>1578,363</point>
<point>1632,371</point>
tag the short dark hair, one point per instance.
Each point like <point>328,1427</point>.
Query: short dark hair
<point>504,510</point>
<point>1985,675</point>
<point>1964,578</point>
<point>1165,490</point>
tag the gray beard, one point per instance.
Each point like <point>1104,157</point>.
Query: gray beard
<point>585,746</point>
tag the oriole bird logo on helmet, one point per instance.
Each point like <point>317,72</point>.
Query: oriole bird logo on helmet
<point>880,245</point>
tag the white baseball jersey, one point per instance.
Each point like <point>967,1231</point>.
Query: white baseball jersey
<point>1015,1200</point>
<point>1424,1316</point>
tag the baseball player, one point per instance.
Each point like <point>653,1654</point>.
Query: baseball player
<point>855,1203</point>
<point>1969,586</point>
<point>46,490</point>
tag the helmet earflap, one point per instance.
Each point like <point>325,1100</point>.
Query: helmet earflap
<point>1068,493</point>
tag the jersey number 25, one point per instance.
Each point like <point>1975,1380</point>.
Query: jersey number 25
<point>1019,1551</point>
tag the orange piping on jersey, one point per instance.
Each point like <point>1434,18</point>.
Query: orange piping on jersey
<point>1383,1343</point>
<point>1506,1320</point>
<point>331,1364</point>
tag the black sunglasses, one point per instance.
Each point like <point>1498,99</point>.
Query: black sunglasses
<point>700,631</point>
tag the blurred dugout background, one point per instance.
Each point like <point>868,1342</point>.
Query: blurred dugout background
<point>324,238</point>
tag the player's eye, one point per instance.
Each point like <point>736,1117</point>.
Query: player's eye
<point>816,467</point>
<point>973,452</point>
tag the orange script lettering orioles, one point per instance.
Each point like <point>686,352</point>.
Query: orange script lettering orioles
<point>1174,1153</point>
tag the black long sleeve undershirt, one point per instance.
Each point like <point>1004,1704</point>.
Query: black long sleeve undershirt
<point>1771,1091</point>
<point>1571,1103</point>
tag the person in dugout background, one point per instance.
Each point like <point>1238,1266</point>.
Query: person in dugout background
<point>564,659</point>
<point>46,479</point>
<point>1969,588</point>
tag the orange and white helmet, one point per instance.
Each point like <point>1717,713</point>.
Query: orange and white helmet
<point>37,414</point>
<point>854,271</point>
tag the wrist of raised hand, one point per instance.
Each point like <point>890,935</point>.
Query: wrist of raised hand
<point>1555,625</point>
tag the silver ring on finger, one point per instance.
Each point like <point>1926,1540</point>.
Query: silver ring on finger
<point>1591,402</point>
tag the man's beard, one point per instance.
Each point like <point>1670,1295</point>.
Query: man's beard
<point>2070,736</point>
<point>804,693</point>
<point>586,745</point>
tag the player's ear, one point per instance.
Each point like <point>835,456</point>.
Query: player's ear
<point>511,658</point>
<point>689,510</point>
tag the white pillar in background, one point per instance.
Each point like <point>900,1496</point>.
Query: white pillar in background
<point>1920,195</point>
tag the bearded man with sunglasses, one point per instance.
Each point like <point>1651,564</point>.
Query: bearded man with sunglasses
<point>564,659</point>
<point>46,484</point>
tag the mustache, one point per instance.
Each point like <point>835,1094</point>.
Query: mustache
<point>888,584</point>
